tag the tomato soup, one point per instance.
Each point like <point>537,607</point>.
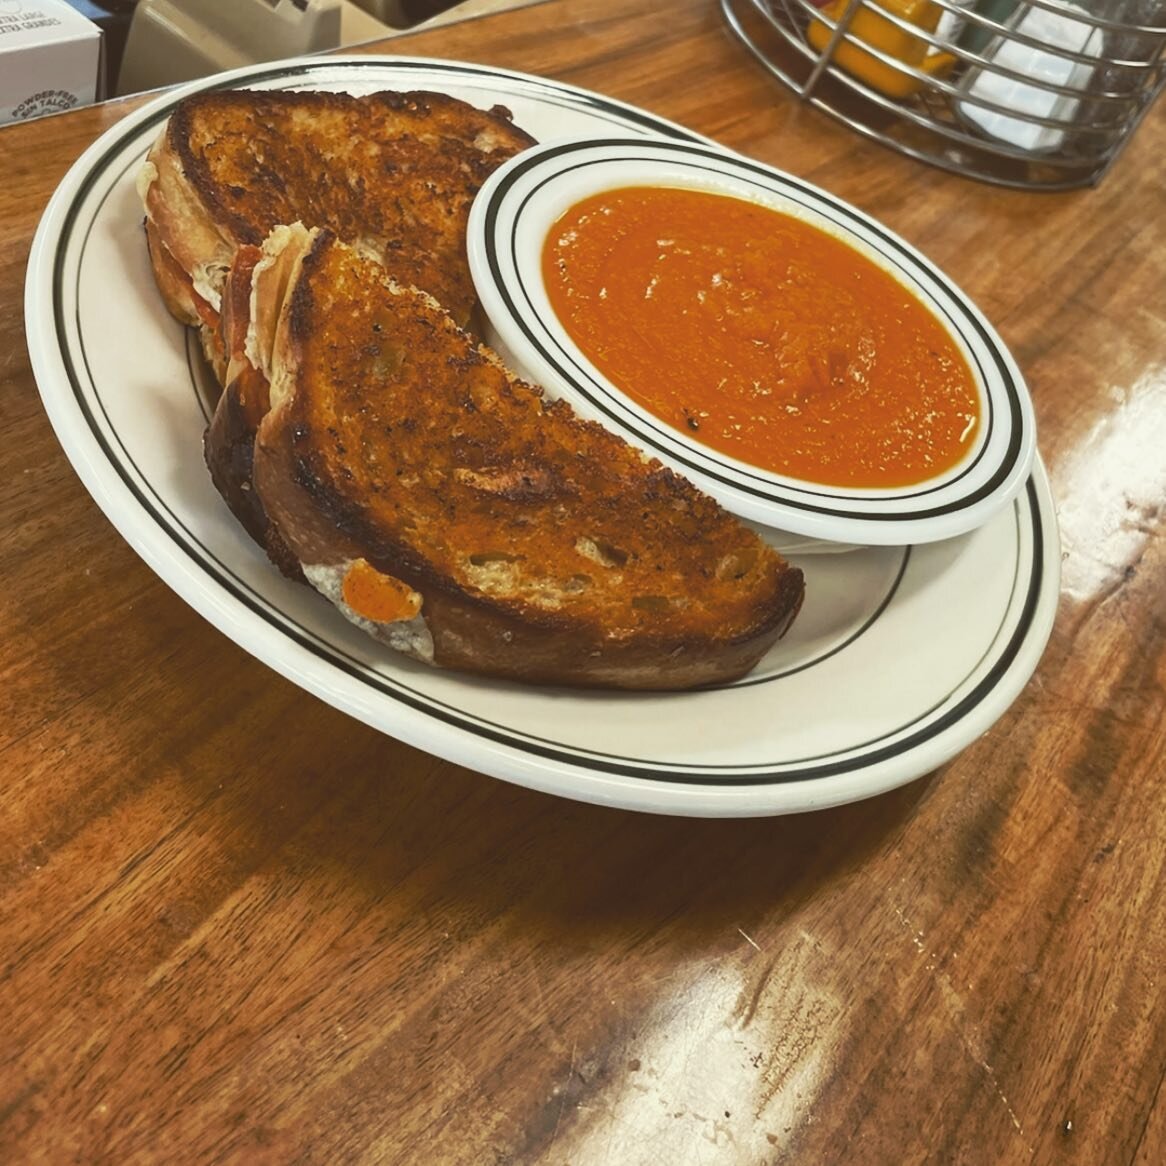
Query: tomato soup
<point>761,336</point>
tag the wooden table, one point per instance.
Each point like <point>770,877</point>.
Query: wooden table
<point>237,926</point>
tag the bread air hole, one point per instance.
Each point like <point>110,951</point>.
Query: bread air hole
<point>496,572</point>
<point>384,362</point>
<point>486,558</point>
<point>601,552</point>
<point>737,565</point>
<point>652,603</point>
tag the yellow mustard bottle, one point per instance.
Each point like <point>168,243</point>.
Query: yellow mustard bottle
<point>873,28</point>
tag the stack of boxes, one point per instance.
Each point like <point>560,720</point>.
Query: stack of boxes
<point>50,59</point>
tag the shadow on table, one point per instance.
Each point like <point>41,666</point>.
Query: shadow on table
<point>474,846</point>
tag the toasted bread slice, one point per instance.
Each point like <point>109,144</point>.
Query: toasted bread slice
<point>451,510</point>
<point>391,173</point>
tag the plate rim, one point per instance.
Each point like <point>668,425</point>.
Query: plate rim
<point>235,616</point>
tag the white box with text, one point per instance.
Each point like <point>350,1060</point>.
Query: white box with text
<point>50,59</point>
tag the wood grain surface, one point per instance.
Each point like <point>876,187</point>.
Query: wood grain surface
<point>236,926</point>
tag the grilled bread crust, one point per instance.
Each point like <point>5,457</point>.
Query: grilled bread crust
<point>391,173</point>
<point>529,543</point>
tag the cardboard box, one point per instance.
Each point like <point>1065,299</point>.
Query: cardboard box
<point>50,59</point>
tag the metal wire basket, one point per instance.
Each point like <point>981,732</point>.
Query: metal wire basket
<point>1040,94</point>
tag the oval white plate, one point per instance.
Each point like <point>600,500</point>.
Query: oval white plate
<point>509,224</point>
<point>900,657</point>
